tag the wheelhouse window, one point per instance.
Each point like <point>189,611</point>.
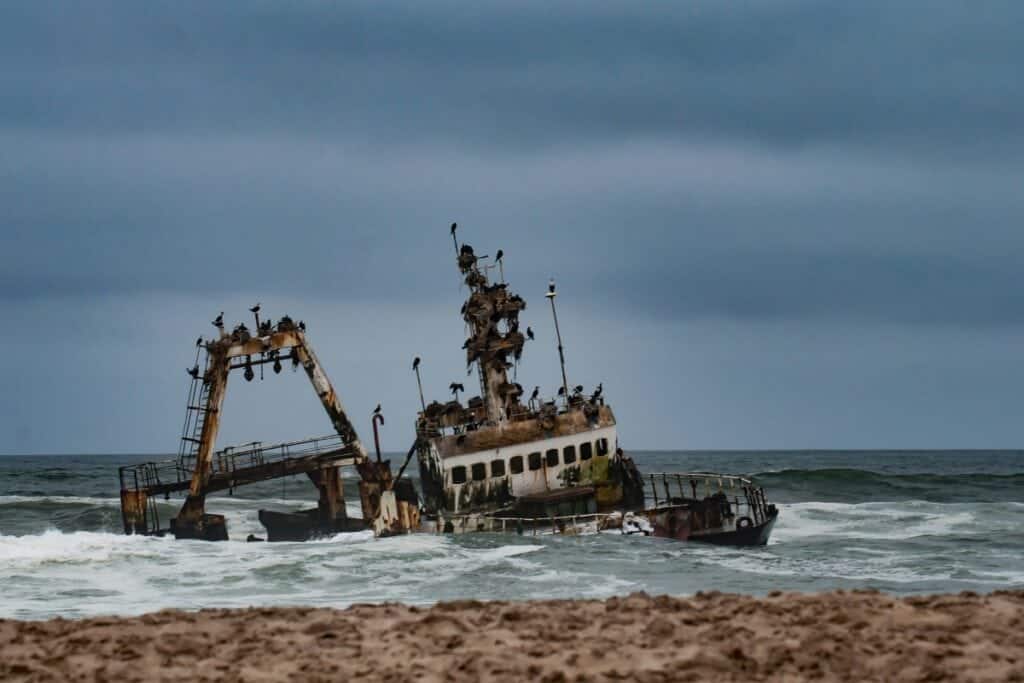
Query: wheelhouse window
<point>569,454</point>
<point>602,446</point>
<point>479,471</point>
<point>497,468</point>
<point>459,475</point>
<point>534,461</point>
<point>586,451</point>
<point>515,465</point>
<point>552,457</point>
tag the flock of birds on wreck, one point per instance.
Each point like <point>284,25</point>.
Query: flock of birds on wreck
<point>241,333</point>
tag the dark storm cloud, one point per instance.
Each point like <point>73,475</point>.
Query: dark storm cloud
<point>515,74</point>
<point>751,159</point>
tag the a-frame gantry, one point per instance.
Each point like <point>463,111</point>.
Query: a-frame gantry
<point>200,470</point>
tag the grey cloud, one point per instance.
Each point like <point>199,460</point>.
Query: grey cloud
<point>526,74</point>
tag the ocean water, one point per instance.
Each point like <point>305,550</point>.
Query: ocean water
<point>905,522</point>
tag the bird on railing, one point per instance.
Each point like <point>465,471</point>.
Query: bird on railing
<point>561,391</point>
<point>578,389</point>
<point>193,371</point>
<point>535,394</point>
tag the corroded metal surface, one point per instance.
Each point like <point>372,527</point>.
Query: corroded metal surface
<point>471,455</point>
<point>532,427</point>
<point>201,471</point>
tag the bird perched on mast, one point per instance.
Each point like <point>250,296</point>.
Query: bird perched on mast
<point>376,411</point>
<point>218,322</point>
<point>416,363</point>
<point>455,388</point>
<point>499,259</point>
<point>199,342</point>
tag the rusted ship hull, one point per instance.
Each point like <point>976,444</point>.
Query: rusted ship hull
<point>304,525</point>
<point>750,536</point>
<point>677,522</point>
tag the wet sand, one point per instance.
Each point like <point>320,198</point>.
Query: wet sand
<point>713,637</point>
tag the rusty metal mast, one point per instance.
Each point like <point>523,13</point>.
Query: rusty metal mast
<point>488,306</point>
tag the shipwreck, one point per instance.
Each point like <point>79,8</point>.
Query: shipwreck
<point>503,461</point>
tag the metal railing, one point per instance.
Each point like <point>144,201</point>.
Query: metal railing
<point>527,526</point>
<point>745,499</point>
<point>179,471</point>
<point>255,454</point>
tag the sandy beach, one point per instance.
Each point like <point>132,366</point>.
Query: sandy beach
<point>713,636</point>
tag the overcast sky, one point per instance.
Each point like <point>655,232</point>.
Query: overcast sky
<point>779,224</point>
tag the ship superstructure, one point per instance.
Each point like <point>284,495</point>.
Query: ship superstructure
<point>502,451</point>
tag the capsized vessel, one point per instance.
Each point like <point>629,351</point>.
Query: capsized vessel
<point>505,461</point>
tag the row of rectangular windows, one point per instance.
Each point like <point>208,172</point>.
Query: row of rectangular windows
<point>534,461</point>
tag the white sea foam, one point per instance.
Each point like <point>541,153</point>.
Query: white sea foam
<point>818,545</point>
<point>891,521</point>
<point>79,547</point>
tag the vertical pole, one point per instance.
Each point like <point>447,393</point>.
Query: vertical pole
<point>376,437</point>
<point>423,404</point>
<point>558,333</point>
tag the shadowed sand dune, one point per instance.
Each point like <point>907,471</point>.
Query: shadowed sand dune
<point>719,637</point>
